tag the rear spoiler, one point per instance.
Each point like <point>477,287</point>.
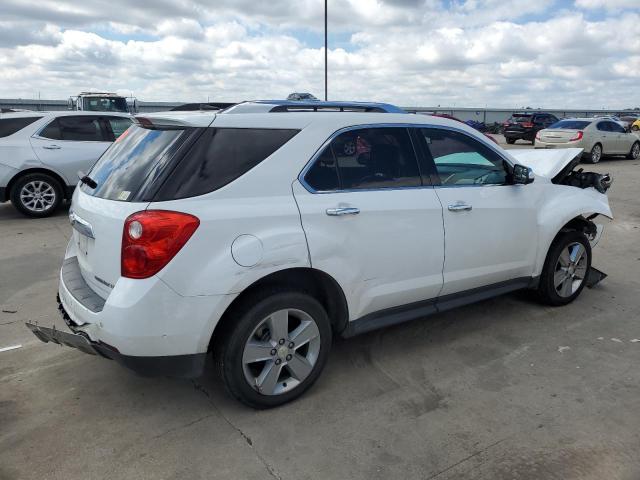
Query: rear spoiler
<point>174,121</point>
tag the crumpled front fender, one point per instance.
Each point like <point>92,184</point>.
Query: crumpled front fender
<point>561,206</point>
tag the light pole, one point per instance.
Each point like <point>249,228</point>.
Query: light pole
<point>325,51</point>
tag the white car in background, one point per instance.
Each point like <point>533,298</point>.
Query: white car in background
<point>257,237</point>
<point>41,154</point>
<point>598,137</point>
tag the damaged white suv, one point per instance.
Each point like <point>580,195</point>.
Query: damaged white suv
<point>258,237</point>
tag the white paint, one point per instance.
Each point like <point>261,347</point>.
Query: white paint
<point>12,347</point>
<point>600,338</point>
<point>247,250</point>
<point>546,163</point>
<point>562,349</point>
<point>635,340</point>
<point>616,340</point>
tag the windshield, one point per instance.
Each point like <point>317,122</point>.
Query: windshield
<point>132,162</point>
<point>571,124</point>
<point>105,104</point>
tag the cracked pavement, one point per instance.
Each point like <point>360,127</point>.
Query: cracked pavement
<point>480,392</point>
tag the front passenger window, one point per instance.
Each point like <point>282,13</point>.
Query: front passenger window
<point>462,160</point>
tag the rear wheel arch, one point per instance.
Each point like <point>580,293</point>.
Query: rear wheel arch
<point>320,285</point>
<point>45,171</point>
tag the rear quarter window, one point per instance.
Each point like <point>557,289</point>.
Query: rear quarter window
<point>220,156</point>
<point>9,126</point>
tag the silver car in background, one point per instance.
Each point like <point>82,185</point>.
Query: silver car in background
<point>42,152</point>
<point>596,136</point>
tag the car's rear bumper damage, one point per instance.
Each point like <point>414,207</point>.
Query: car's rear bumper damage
<point>172,366</point>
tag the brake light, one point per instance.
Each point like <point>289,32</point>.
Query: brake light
<point>150,239</point>
<point>578,136</point>
<point>527,125</point>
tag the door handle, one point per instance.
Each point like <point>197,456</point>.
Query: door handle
<point>335,212</point>
<point>52,147</point>
<point>459,207</point>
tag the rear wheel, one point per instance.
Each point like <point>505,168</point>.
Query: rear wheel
<point>635,128</point>
<point>565,269</point>
<point>276,350</point>
<point>635,151</point>
<point>596,154</point>
<point>36,195</point>
<point>511,141</point>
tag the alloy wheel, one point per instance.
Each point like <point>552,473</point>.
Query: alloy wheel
<point>281,351</point>
<point>38,196</point>
<point>571,269</point>
<point>596,153</point>
<point>635,151</point>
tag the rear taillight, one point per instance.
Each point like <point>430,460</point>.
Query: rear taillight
<point>151,238</point>
<point>527,125</point>
<point>578,136</point>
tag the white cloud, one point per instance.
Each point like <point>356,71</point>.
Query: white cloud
<point>409,52</point>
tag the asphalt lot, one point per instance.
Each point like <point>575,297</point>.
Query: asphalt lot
<point>505,389</point>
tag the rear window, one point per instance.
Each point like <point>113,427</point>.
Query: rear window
<point>571,124</point>
<point>220,156</point>
<point>132,162</point>
<point>521,118</point>
<point>9,126</point>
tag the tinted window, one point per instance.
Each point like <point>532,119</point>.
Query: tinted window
<point>220,156</point>
<point>104,104</point>
<point>521,118</point>
<point>323,175</point>
<point>368,158</point>
<point>603,127</point>
<point>83,129</point>
<point>462,160</point>
<point>134,160</point>
<point>9,126</point>
<point>616,127</point>
<point>571,124</point>
<point>119,125</point>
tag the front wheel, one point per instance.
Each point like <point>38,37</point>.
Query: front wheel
<point>565,269</point>
<point>276,350</point>
<point>511,141</point>
<point>36,195</point>
<point>635,151</point>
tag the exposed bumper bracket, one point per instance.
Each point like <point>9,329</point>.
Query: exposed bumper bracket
<point>594,276</point>
<point>53,335</point>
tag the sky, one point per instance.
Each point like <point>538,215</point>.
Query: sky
<point>459,53</point>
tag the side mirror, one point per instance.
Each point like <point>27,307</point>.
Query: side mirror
<point>522,175</point>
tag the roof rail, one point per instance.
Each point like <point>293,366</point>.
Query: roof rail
<point>268,106</point>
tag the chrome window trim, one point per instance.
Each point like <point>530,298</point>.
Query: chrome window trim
<point>317,153</point>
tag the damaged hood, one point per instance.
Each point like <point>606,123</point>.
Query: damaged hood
<point>546,163</point>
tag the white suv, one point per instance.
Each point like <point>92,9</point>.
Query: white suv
<point>259,236</point>
<point>42,152</point>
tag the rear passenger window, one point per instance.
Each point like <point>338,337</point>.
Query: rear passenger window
<point>9,126</point>
<point>82,129</point>
<point>220,156</point>
<point>369,158</point>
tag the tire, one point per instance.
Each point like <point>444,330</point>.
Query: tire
<point>257,318</point>
<point>562,279</point>
<point>511,141</point>
<point>635,151</point>
<point>36,195</point>
<point>595,155</point>
<point>635,128</point>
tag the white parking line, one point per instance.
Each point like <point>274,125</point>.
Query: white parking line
<point>12,347</point>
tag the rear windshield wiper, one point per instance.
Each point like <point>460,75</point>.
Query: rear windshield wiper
<point>87,180</point>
